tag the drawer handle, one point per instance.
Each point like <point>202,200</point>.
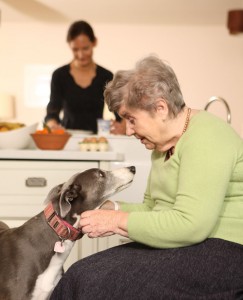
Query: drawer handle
<point>35,182</point>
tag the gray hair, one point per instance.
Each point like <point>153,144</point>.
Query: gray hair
<point>140,87</point>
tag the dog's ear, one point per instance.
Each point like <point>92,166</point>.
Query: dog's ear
<point>68,195</point>
<point>54,194</point>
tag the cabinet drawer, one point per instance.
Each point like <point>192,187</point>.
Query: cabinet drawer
<point>23,207</point>
<point>37,178</point>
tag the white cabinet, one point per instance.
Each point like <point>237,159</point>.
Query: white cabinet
<point>111,241</point>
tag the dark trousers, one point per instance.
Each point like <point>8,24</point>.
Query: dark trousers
<point>210,270</point>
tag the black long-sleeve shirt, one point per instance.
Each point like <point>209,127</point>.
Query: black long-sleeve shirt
<point>81,106</point>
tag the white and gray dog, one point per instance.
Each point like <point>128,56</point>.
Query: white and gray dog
<point>32,255</point>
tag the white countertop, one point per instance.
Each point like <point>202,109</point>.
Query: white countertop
<point>60,155</point>
<point>121,148</point>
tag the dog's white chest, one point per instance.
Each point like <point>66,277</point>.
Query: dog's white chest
<point>47,281</point>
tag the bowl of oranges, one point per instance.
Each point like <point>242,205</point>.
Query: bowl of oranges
<point>50,139</point>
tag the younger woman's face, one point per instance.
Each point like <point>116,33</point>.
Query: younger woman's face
<point>82,48</point>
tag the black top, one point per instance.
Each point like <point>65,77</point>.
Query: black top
<point>81,106</point>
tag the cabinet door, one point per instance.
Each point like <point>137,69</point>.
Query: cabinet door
<point>111,241</point>
<point>87,246</point>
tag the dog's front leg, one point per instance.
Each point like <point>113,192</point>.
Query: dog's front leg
<point>47,281</point>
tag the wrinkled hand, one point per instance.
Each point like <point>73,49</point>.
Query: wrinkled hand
<point>100,223</point>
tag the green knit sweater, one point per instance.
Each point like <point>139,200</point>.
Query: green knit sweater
<point>197,193</point>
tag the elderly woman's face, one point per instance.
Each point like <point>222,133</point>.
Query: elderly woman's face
<point>147,128</point>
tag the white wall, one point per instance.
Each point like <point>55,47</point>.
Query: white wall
<point>207,60</point>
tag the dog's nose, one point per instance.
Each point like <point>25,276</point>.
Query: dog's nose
<point>132,169</point>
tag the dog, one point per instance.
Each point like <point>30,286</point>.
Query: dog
<point>32,255</point>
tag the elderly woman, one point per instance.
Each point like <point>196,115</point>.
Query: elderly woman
<point>188,232</point>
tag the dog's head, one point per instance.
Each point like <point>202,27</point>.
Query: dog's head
<point>87,190</point>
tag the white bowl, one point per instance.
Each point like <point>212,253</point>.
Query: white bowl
<point>17,138</point>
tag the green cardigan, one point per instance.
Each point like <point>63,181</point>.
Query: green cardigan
<point>197,193</point>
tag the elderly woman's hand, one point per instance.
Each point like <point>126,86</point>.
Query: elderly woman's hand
<point>99,223</point>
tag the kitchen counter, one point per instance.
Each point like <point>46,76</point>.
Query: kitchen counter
<point>121,148</point>
<point>71,155</point>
